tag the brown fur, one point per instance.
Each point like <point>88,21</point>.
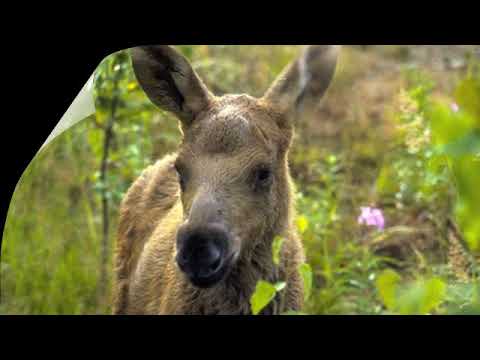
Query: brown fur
<point>224,138</point>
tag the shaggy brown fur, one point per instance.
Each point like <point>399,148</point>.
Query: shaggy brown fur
<point>224,141</point>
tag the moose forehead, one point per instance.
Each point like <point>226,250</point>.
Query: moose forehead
<point>235,123</point>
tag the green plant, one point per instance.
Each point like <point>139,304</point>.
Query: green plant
<point>420,298</point>
<point>456,136</point>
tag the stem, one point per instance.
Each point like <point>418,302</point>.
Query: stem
<point>104,193</point>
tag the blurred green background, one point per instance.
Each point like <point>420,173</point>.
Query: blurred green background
<point>399,130</point>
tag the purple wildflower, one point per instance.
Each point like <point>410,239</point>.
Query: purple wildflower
<point>372,217</point>
<point>455,108</point>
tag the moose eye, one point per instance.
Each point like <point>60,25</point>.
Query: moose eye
<point>263,177</point>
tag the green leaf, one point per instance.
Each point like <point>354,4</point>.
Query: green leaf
<point>460,293</point>
<point>387,287</point>
<point>467,94</point>
<point>307,275</point>
<point>469,310</point>
<point>263,295</point>
<point>276,248</point>
<point>435,291</point>
<point>302,224</point>
<point>467,145</point>
<point>422,298</point>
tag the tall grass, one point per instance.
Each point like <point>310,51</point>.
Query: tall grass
<point>50,242</point>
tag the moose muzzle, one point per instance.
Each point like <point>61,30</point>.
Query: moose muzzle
<point>203,253</point>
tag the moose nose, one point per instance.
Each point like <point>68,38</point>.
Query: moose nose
<point>202,261</point>
<point>201,254</point>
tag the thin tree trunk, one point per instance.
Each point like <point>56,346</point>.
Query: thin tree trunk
<point>102,288</point>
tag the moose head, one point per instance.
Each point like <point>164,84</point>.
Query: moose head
<point>232,164</point>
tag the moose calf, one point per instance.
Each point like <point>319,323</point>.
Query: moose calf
<point>196,229</point>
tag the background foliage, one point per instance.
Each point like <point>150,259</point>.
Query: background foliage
<point>399,130</point>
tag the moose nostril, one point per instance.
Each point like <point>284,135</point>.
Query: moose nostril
<point>208,259</point>
<point>214,255</point>
<point>216,264</point>
<point>181,261</point>
<point>203,252</point>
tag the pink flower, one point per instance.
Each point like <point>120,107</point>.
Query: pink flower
<point>455,108</point>
<point>372,217</point>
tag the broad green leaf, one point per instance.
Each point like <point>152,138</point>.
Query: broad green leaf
<point>302,224</point>
<point>460,293</point>
<point>263,295</point>
<point>435,290</point>
<point>468,144</point>
<point>307,275</point>
<point>422,297</point>
<point>448,127</point>
<point>467,95</point>
<point>276,248</point>
<point>387,284</point>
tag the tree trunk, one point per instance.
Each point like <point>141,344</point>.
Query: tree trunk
<point>108,136</point>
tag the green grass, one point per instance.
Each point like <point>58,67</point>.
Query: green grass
<point>50,254</point>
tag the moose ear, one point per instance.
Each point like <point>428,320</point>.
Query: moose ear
<point>303,83</point>
<point>169,81</point>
